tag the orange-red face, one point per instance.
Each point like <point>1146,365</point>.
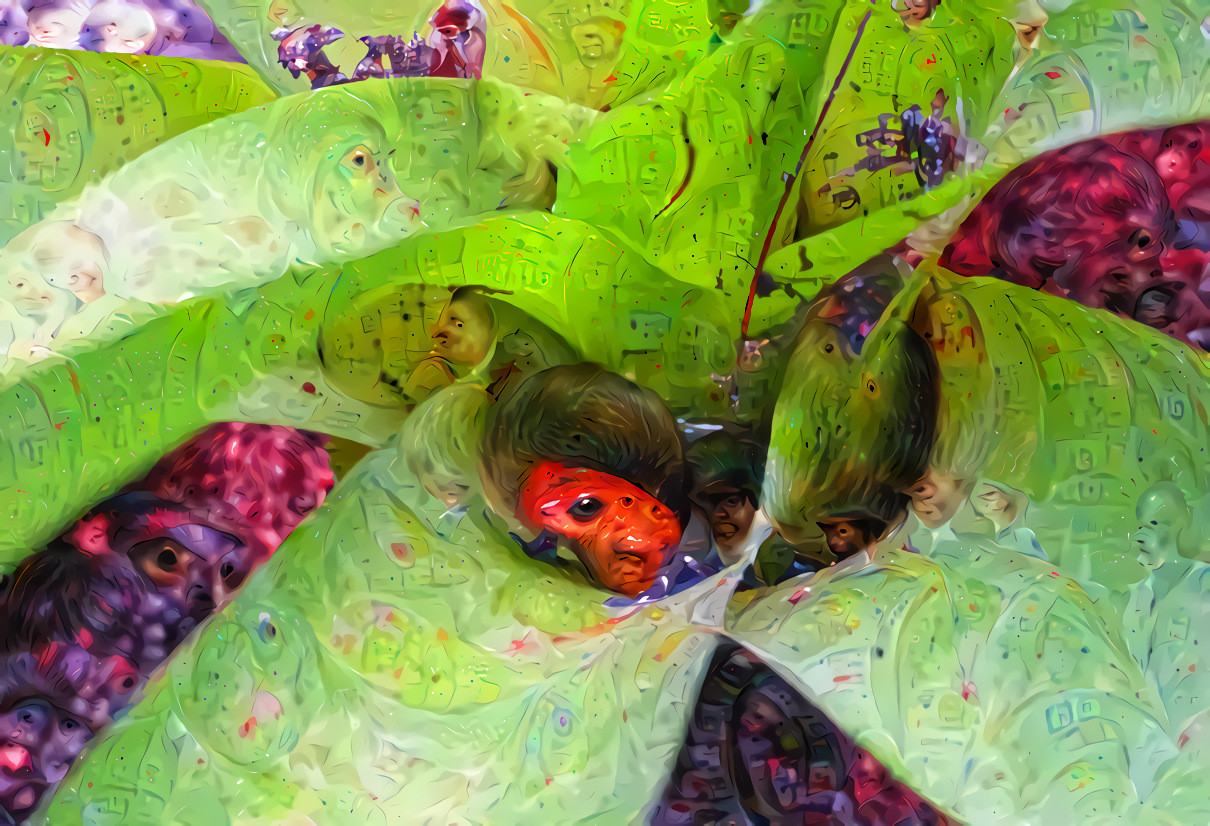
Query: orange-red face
<point>620,532</point>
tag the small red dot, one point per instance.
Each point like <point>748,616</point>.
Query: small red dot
<point>309,388</point>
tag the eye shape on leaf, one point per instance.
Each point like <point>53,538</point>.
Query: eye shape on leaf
<point>585,509</point>
<point>360,160</point>
<point>266,630</point>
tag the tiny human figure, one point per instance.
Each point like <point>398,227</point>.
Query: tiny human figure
<point>849,538</point>
<point>1004,509</point>
<point>582,460</point>
<point>930,141</point>
<point>915,12</point>
<point>391,56</point>
<point>403,58</point>
<point>121,28</point>
<point>458,40</point>
<point>301,50</point>
<point>55,24</point>
<point>938,496</point>
<point>1168,609</point>
<point>412,58</point>
<point>927,145</point>
<point>463,337</point>
<point>726,469</point>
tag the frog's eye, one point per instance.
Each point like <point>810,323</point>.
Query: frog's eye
<point>585,508</point>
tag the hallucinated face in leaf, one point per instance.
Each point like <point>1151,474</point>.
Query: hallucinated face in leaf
<point>357,201</point>
<point>28,290</point>
<point>66,256</point>
<point>465,330</point>
<point>262,666</point>
<point>1164,523</point>
<point>599,462</point>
